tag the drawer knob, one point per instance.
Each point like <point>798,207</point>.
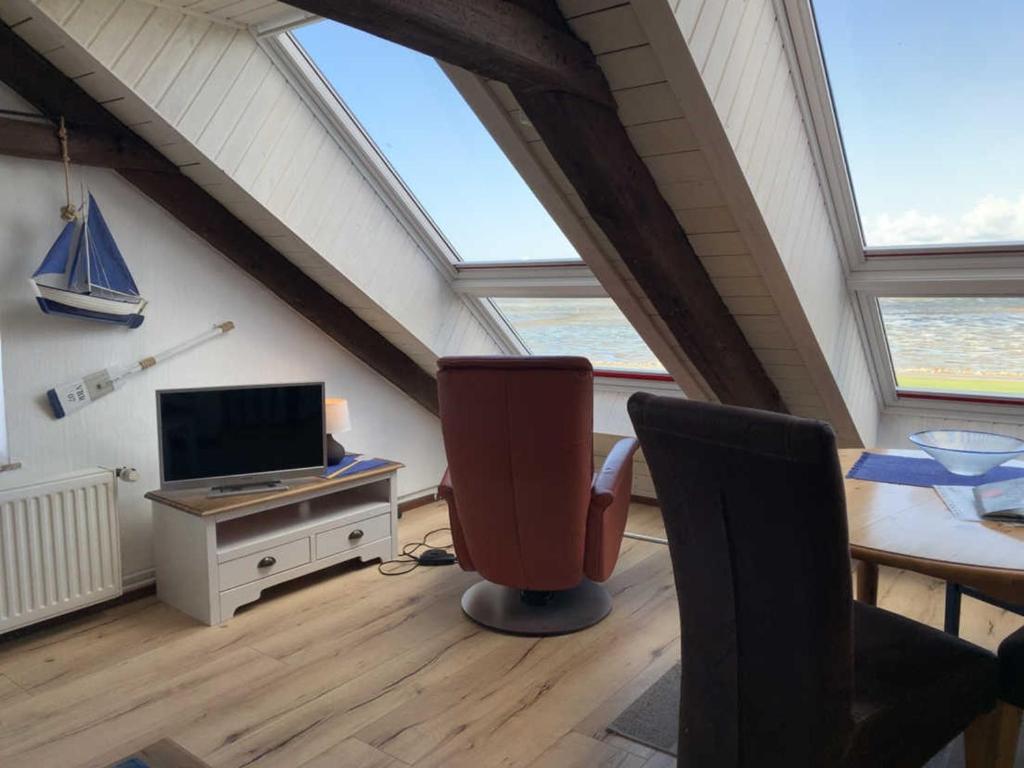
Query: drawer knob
<point>266,562</point>
<point>356,534</point>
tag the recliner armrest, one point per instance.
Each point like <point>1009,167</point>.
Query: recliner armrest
<point>447,494</point>
<point>609,507</point>
<point>444,489</point>
<point>616,464</point>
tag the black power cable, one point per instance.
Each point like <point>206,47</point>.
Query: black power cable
<point>410,559</point>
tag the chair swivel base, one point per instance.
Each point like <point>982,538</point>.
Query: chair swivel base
<point>566,611</point>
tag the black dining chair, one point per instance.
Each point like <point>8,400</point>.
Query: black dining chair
<point>780,666</point>
<point>1004,742</point>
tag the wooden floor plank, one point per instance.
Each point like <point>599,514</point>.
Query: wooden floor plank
<point>318,720</point>
<point>162,754</point>
<point>49,665</point>
<point>605,710</point>
<point>18,649</point>
<point>352,753</point>
<point>10,692</point>
<point>350,668</point>
<point>527,710</point>
<point>64,736</point>
<point>574,750</point>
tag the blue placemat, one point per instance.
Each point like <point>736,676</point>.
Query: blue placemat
<point>351,465</point>
<point>907,470</point>
<point>132,762</point>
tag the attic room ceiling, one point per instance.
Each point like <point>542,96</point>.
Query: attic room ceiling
<point>564,94</point>
<point>260,15</point>
<point>644,51</point>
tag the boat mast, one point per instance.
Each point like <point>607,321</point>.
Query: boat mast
<point>68,212</point>
<point>88,257</point>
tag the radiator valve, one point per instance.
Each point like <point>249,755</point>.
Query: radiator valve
<point>128,474</point>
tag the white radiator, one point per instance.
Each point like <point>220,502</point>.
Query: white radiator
<point>59,547</point>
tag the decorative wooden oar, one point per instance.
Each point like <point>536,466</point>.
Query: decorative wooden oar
<point>75,395</point>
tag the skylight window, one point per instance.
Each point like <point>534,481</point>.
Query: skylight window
<point>928,98</point>
<point>436,144</point>
<point>956,345</point>
<point>593,328</point>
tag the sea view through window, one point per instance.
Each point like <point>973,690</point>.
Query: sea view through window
<point>593,328</point>
<point>959,345</point>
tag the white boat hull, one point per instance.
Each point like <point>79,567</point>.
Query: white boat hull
<point>58,301</point>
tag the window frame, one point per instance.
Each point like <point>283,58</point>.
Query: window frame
<point>528,288</point>
<point>909,401</point>
<point>819,105</point>
<point>477,282</point>
<point>975,270</point>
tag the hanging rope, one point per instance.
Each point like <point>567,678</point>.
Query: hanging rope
<point>68,212</point>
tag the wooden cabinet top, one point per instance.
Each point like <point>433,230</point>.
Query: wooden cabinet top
<point>196,502</point>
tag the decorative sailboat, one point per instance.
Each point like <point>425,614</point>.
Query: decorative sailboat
<point>85,275</point>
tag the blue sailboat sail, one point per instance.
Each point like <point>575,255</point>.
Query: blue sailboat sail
<point>84,274</point>
<point>78,274</point>
<point>107,267</point>
<point>57,258</point>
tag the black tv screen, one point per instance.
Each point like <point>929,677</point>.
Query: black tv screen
<point>240,432</point>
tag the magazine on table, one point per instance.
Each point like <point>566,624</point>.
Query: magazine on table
<point>986,503</point>
<point>1001,501</point>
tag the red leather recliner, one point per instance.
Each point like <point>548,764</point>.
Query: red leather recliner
<point>527,511</point>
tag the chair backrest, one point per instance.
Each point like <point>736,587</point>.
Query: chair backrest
<point>519,437</point>
<point>755,515</point>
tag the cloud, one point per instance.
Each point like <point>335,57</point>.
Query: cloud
<point>992,219</point>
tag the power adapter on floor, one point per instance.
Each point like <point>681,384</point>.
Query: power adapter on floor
<point>436,557</point>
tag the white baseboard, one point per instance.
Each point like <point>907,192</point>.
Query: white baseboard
<point>138,580</point>
<point>429,491</point>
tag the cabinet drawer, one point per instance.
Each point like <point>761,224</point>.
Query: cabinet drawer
<point>352,536</point>
<point>264,563</point>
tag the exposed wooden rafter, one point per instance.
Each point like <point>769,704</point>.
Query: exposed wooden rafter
<point>581,129</point>
<point>37,139</point>
<point>500,39</point>
<point>55,95</point>
<point>595,153</point>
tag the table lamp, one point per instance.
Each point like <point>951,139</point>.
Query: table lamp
<point>337,422</point>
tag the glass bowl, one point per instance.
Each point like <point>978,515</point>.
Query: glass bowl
<point>964,452</point>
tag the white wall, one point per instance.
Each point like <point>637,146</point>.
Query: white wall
<point>190,286</point>
<point>893,428</point>
<point>214,101</point>
<point>4,453</point>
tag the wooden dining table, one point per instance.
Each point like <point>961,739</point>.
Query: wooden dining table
<point>910,527</point>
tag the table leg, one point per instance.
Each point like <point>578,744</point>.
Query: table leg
<point>953,599</point>
<point>867,582</point>
<point>991,740</point>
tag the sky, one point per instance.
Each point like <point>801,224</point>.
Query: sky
<point>437,145</point>
<point>930,99</point>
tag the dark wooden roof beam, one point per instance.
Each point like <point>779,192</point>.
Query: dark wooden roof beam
<point>37,139</point>
<point>514,42</point>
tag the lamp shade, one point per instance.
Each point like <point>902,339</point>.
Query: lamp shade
<point>337,415</point>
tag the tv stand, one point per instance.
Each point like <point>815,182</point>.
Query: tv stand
<point>216,554</point>
<point>267,486</point>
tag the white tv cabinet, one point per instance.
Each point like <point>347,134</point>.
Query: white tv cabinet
<point>214,555</point>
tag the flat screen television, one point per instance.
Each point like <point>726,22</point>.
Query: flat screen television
<point>231,437</point>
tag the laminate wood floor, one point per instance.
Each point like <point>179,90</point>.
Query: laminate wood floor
<point>351,669</point>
